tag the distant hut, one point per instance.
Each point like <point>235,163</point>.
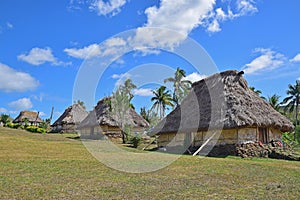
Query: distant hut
<point>70,119</point>
<point>29,117</point>
<point>101,122</point>
<point>221,102</point>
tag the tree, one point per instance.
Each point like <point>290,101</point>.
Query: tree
<point>181,86</point>
<point>80,103</point>
<point>127,87</point>
<point>26,121</point>
<point>144,113</point>
<point>258,92</point>
<point>120,103</point>
<point>162,98</point>
<point>293,101</point>
<point>150,116</point>
<point>274,101</point>
<point>5,119</point>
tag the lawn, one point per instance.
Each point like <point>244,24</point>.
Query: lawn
<point>55,166</point>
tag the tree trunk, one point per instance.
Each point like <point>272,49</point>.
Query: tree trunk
<point>123,136</point>
<point>296,116</point>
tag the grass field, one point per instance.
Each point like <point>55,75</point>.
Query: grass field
<point>35,166</point>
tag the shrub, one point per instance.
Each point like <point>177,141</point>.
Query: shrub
<point>32,129</point>
<point>35,129</point>
<point>41,130</point>
<point>12,125</point>
<point>135,140</point>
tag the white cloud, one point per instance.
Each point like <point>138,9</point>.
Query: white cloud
<point>3,110</point>
<point>9,25</point>
<point>194,77</point>
<point>145,92</point>
<point>181,16</point>
<point>41,113</point>
<point>296,58</point>
<point>169,15</point>
<point>14,81</point>
<point>246,7</point>
<point>215,17</point>
<point>39,56</point>
<point>121,78</point>
<point>113,47</point>
<point>111,7</point>
<point>21,104</point>
<point>267,60</point>
<point>85,52</point>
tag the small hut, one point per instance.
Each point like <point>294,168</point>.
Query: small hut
<point>70,119</point>
<point>101,121</point>
<point>221,103</point>
<point>29,117</point>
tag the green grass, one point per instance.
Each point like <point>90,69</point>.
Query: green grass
<point>53,166</point>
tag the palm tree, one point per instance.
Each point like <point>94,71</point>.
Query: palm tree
<point>181,86</point>
<point>162,98</point>
<point>274,101</point>
<point>258,92</point>
<point>293,101</point>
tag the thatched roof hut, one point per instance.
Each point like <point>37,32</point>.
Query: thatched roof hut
<point>102,120</point>
<point>241,106</point>
<point>70,119</point>
<point>224,101</point>
<point>32,117</point>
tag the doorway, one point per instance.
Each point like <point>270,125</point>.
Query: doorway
<point>263,135</point>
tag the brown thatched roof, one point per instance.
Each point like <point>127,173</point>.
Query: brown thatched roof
<point>222,100</point>
<point>30,115</point>
<point>101,115</point>
<point>72,115</point>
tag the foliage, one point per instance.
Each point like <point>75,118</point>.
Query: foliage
<point>258,92</point>
<point>135,140</point>
<point>35,129</point>
<point>5,119</point>
<point>181,86</point>
<point>44,125</point>
<point>80,103</point>
<point>288,137</point>
<point>12,125</point>
<point>162,98</point>
<point>293,101</point>
<point>25,120</point>
<point>150,116</point>
<point>120,103</point>
<point>274,101</point>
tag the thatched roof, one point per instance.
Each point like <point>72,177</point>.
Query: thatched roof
<point>101,115</point>
<point>30,115</point>
<point>222,101</point>
<point>72,115</point>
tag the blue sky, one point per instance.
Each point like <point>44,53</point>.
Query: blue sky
<point>45,44</point>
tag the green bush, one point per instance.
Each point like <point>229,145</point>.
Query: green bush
<point>32,129</point>
<point>12,125</point>
<point>41,130</point>
<point>135,140</point>
<point>35,129</point>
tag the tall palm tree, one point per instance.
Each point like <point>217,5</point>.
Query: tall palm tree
<point>162,98</point>
<point>274,101</point>
<point>293,101</point>
<point>181,86</point>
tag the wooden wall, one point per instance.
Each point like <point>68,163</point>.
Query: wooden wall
<point>230,136</point>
